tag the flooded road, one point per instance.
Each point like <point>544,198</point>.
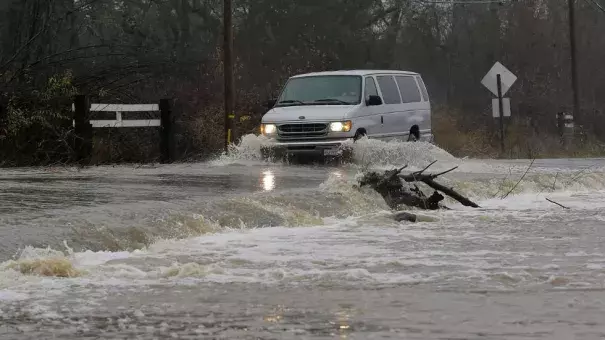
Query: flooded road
<point>239,248</point>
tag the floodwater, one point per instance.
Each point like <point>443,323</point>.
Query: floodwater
<point>240,248</point>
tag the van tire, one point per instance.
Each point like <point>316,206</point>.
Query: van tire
<point>415,132</point>
<point>359,134</point>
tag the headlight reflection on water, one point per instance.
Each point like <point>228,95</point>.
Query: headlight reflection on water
<point>276,316</point>
<point>343,323</point>
<point>337,174</point>
<point>268,180</point>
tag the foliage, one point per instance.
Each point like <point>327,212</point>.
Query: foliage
<point>43,108</point>
<point>37,123</point>
<point>143,50</point>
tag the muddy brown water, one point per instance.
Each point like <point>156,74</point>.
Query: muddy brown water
<point>243,249</point>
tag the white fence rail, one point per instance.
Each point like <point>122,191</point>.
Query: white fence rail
<point>119,122</point>
<point>84,126</point>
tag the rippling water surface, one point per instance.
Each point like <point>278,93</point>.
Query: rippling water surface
<point>240,248</point>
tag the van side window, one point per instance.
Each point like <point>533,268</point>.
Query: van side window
<point>425,93</point>
<point>371,89</point>
<point>389,90</point>
<point>409,89</point>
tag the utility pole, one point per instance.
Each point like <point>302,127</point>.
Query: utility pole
<point>574,61</point>
<point>228,70</point>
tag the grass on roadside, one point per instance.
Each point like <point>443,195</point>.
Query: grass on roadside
<point>462,138</point>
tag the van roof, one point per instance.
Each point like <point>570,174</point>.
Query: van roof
<point>353,73</point>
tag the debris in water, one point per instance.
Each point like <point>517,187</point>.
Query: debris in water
<point>52,267</point>
<point>559,204</point>
<point>390,185</point>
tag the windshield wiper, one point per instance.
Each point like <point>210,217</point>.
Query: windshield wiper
<point>333,100</point>
<point>291,102</point>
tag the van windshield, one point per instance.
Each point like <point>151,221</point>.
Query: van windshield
<point>321,90</point>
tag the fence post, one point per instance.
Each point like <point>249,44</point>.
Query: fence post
<point>2,117</point>
<point>3,128</point>
<point>560,124</point>
<point>166,131</point>
<point>82,129</point>
<point>568,131</point>
<point>565,126</point>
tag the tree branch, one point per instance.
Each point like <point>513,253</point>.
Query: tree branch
<point>561,205</point>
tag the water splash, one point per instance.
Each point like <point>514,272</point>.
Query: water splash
<point>365,152</point>
<point>45,262</point>
<point>373,152</point>
<point>53,267</point>
<point>368,153</point>
<point>246,151</point>
<point>183,271</point>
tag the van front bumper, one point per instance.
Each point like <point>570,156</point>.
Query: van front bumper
<point>313,147</point>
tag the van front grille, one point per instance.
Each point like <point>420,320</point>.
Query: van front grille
<point>302,130</point>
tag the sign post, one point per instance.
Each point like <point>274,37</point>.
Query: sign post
<point>498,81</point>
<point>501,112</point>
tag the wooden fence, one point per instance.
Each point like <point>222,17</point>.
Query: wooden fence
<point>83,125</point>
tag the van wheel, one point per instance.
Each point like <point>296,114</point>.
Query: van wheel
<point>414,135</point>
<point>359,134</point>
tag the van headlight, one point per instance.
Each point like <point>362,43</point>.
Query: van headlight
<point>341,126</point>
<point>268,129</point>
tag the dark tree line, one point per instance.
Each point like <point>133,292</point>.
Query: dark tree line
<point>135,51</point>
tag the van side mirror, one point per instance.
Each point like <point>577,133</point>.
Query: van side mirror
<point>374,101</point>
<point>270,103</point>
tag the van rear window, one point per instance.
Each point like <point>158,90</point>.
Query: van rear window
<point>409,89</point>
<point>425,93</point>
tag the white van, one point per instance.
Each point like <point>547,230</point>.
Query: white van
<point>317,112</point>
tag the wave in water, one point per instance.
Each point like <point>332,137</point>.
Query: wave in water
<point>336,198</point>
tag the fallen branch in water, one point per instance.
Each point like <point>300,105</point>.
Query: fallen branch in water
<point>578,175</point>
<point>510,172</point>
<point>554,184</point>
<point>559,204</point>
<point>521,179</point>
<point>390,185</point>
<point>430,181</point>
